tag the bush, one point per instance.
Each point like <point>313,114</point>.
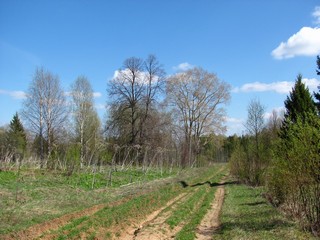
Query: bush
<point>247,164</point>
<point>294,180</point>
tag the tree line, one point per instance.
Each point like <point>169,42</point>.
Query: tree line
<point>284,154</point>
<point>152,119</point>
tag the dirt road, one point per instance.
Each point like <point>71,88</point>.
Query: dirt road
<point>164,222</point>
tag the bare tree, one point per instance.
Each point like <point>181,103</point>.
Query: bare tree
<point>126,91</point>
<point>133,93</point>
<point>83,113</point>
<point>154,83</point>
<point>44,109</point>
<point>274,123</point>
<point>197,98</point>
<point>255,120</point>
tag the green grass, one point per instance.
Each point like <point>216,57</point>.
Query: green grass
<point>203,194</point>
<point>188,232</point>
<point>36,195</point>
<point>134,208</point>
<point>182,213</point>
<point>247,215</point>
<point>44,195</point>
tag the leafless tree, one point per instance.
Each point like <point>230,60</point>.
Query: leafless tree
<point>83,113</point>
<point>274,123</point>
<point>154,84</point>
<point>197,98</point>
<point>126,91</point>
<point>133,93</point>
<point>255,120</point>
<point>45,109</point>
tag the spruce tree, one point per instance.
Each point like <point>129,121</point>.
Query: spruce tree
<point>16,137</point>
<point>298,105</point>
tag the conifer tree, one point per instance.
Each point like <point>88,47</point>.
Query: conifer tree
<point>16,137</point>
<point>298,104</point>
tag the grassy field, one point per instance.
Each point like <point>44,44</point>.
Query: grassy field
<point>33,196</point>
<point>247,215</point>
<point>51,205</point>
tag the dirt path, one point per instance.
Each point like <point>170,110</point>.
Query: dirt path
<point>155,227</point>
<point>210,223</point>
<point>157,218</point>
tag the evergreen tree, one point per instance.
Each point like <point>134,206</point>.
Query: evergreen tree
<point>298,104</point>
<point>317,95</point>
<point>16,137</point>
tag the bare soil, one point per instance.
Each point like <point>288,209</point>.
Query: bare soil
<point>153,226</point>
<point>210,223</point>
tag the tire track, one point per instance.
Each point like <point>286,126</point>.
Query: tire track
<point>211,223</point>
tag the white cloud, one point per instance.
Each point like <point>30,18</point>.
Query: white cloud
<point>234,120</point>
<point>97,94</point>
<point>283,87</point>
<point>306,42</point>
<point>14,94</point>
<point>279,110</point>
<point>316,15</point>
<point>234,126</point>
<point>141,77</point>
<point>100,106</point>
<point>182,67</point>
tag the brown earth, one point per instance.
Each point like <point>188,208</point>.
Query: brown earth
<point>157,218</point>
<point>210,223</point>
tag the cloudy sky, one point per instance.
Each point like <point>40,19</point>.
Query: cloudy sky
<point>258,47</point>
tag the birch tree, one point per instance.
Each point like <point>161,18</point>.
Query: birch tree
<point>44,109</point>
<point>84,114</point>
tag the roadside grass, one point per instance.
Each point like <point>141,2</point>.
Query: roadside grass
<point>247,215</point>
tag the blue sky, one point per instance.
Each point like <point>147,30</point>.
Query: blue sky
<point>258,47</point>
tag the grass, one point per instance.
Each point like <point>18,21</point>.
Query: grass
<point>247,215</point>
<point>200,195</point>
<point>36,195</point>
<point>182,213</point>
<point>188,232</point>
<point>45,195</point>
<point>135,208</point>
<point>140,206</point>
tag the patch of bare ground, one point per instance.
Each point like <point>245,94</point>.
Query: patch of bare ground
<point>157,228</point>
<point>156,218</point>
<point>210,223</point>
